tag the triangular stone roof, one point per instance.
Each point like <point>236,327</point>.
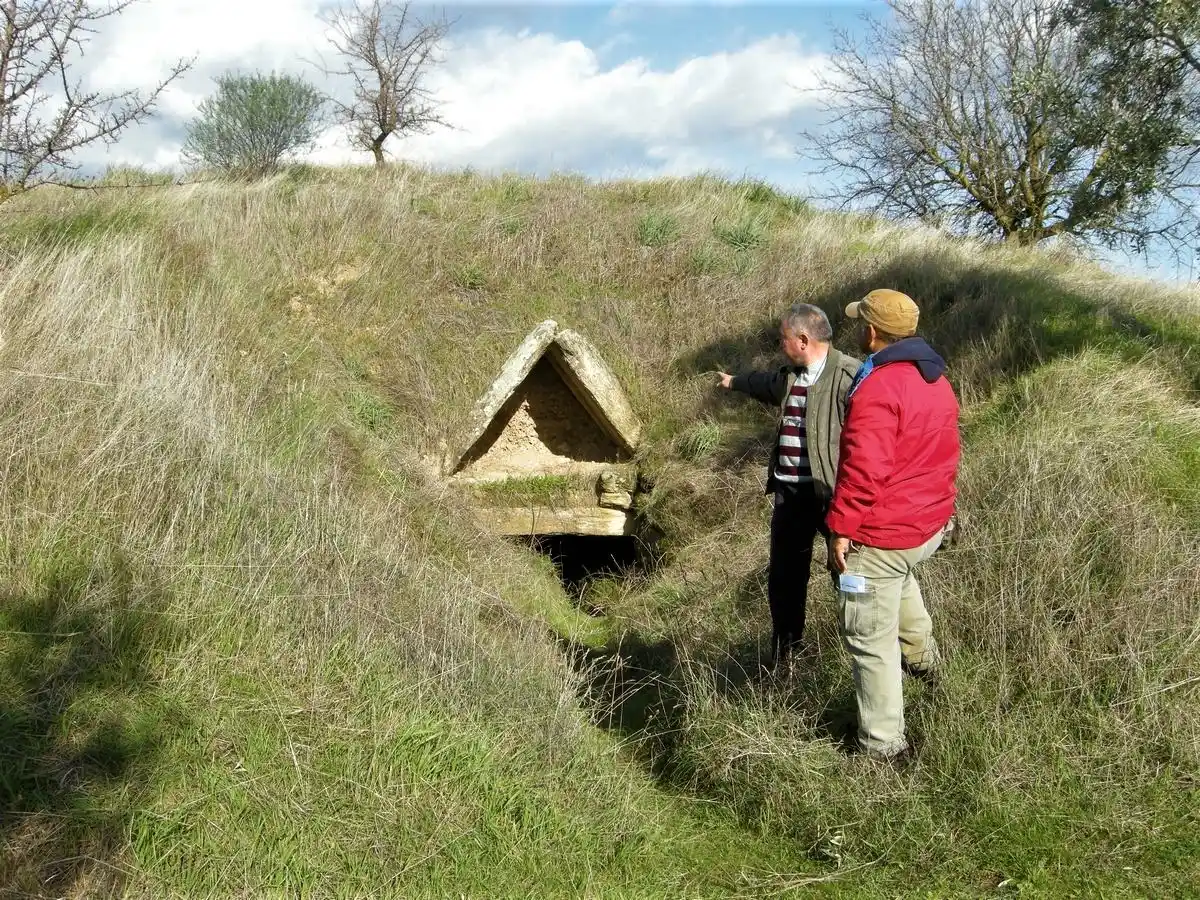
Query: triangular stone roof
<point>579,365</point>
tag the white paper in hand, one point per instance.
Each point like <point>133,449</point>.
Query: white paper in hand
<point>852,584</point>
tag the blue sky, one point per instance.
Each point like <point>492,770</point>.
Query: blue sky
<point>668,34</point>
<point>608,90</point>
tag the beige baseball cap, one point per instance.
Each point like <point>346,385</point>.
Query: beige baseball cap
<point>890,311</point>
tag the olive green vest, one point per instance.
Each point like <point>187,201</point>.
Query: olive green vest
<point>824,414</point>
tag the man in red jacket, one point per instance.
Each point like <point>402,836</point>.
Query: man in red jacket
<point>894,495</point>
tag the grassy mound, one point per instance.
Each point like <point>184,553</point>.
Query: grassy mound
<point>250,645</point>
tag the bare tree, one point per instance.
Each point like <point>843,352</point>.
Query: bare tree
<point>45,115</point>
<point>387,54</point>
<point>984,114</point>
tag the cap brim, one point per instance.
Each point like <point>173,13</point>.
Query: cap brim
<point>852,309</point>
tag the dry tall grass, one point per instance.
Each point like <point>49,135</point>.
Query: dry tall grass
<point>251,644</point>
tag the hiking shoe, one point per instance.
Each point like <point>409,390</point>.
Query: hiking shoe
<point>931,675</point>
<point>898,759</point>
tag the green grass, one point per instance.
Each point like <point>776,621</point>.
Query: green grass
<point>699,441</point>
<point>704,260</point>
<point>1171,467</point>
<point>762,194</point>
<point>371,412</point>
<point>252,644</point>
<point>133,176</point>
<point>72,228</point>
<point>471,277</point>
<point>744,235</point>
<point>656,229</point>
<point>537,489</point>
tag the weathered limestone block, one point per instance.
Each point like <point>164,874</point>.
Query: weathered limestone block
<point>568,407</point>
<point>615,490</point>
<point>514,371</point>
<point>593,520</point>
<point>556,409</point>
<point>597,388</point>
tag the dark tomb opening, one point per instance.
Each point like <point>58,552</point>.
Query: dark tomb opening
<point>581,559</point>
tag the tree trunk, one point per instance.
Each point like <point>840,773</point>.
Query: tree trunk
<point>377,149</point>
<point>1027,237</point>
<point>6,114</point>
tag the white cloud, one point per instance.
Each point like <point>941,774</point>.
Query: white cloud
<point>142,42</point>
<point>138,48</point>
<point>529,101</point>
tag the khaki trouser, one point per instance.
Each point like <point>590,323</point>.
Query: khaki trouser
<point>881,625</point>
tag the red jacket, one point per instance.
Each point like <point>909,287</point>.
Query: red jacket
<point>899,451</point>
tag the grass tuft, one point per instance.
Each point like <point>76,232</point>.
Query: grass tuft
<point>471,277</point>
<point>656,229</point>
<point>744,235</point>
<point>704,260</point>
<point>699,442</point>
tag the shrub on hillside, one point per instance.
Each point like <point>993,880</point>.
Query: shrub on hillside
<point>762,194</point>
<point>253,122</point>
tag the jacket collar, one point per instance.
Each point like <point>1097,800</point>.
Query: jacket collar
<point>832,360</point>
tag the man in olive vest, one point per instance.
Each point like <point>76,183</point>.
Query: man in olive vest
<point>810,395</point>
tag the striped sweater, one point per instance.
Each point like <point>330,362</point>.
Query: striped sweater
<point>793,465</point>
<point>824,412</point>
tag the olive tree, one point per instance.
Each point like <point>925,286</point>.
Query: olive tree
<point>252,122</point>
<point>1154,31</point>
<point>1156,42</point>
<point>988,116</point>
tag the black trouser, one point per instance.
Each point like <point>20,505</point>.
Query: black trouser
<point>795,523</point>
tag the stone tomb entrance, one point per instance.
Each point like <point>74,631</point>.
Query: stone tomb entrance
<point>549,454</point>
<point>542,429</point>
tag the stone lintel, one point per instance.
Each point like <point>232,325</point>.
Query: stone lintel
<point>589,475</point>
<point>586,520</point>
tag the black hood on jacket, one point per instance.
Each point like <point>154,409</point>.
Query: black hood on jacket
<point>914,350</point>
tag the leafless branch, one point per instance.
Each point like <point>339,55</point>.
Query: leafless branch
<point>45,114</point>
<point>387,53</point>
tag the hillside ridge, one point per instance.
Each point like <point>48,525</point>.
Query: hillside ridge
<point>252,644</point>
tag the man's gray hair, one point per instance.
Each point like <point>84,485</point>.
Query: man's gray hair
<point>809,319</point>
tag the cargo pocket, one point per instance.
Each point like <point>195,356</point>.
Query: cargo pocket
<point>857,607</point>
